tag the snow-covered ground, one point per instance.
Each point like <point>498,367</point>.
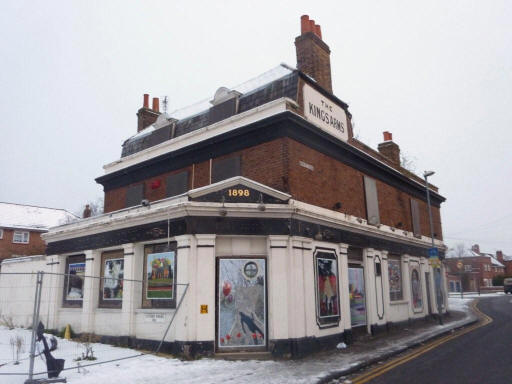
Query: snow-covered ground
<point>160,370</point>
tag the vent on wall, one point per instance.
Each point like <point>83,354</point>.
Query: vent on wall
<point>224,105</point>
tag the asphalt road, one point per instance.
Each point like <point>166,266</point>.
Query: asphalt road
<point>481,356</point>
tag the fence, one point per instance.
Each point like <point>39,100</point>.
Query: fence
<point>106,307</point>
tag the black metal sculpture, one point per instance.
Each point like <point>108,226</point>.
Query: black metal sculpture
<point>53,365</point>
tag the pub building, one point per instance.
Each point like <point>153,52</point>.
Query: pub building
<point>276,229</point>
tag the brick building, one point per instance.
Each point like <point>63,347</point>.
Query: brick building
<point>21,227</point>
<point>263,202</point>
<point>473,269</point>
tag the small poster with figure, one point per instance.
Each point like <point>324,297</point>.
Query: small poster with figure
<point>160,276</point>
<point>327,287</point>
<point>113,279</point>
<point>76,273</point>
<point>241,302</point>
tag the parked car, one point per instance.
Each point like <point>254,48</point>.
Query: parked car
<point>507,285</point>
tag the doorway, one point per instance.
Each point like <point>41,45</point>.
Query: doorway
<point>427,282</point>
<point>357,296</point>
<point>241,304</point>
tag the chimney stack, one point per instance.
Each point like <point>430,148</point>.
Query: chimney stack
<point>147,116</point>
<point>476,248</point>
<point>313,55</point>
<point>390,149</point>
<point>499,256</point>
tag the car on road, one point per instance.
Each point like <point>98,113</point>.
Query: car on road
<point>507,285</point>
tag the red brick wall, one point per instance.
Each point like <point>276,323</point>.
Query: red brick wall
<point>277,164</point>
<point>35,246</point>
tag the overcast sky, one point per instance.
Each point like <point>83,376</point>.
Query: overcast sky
<point>437,74</point>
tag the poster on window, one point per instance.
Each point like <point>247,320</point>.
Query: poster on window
<point>327,288</point>
<point>113,279</point>
<point>241,303</point>
<point>75,287</point>
<point>160,276</point>
<point>395,279</point>
<point>357,296</point>
<point>417,297</point>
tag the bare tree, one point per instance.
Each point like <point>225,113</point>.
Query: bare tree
<point>407,161</point>
<point>459,250</point>
<point>96,207</point>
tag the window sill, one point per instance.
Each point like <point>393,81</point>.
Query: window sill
<point>399,302</point>
<point>108,310</point>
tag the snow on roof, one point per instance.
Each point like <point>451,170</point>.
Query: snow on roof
<point>470,253</point>
<point>31,217</point>
<point>244,88</point>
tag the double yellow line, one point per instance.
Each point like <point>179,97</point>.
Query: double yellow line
<point>364,378</point>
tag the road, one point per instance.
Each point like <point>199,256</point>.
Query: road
<point>483,355</point>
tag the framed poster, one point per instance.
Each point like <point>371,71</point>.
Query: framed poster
<point>241,303</point>
<point>113,279</point>
<point>75,281</point>
<point>160,275</point>
<point>395,279</point>
<point>327,289</point>
<point>416,294</point>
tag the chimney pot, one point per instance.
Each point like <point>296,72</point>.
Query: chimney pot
<point>156,104</point>
<point>318,31</point>
<point>304,24</point>
<point>146,101</point>
<point>388,136</point>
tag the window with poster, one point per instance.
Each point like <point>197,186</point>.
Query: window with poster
<point>73,294</point>
<point>327,288</point>
<point>159,285</point>
<point>395,278</point>
<point>111,284</point>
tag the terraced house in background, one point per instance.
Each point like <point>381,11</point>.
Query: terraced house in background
<point>260,210</point>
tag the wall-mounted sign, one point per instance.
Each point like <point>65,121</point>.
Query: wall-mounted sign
<point>154,317</point>
<point>324,113</point>
<point>203,309</point>
<point>239,194</point>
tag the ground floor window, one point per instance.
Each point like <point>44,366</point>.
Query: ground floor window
<point>111,284</point>
<point>357,296</point>
<point>395,279</point>
<point>159,285</point>
<point>327,288</point>
<point>74,281</point>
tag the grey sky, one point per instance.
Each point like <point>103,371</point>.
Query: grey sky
<point>437,74</point>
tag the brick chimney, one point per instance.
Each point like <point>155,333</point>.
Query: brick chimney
<point>147,116</point>
<point>389,148</point>
<point>499,256</point>
<point>476,248</point>
<point>313,55</point>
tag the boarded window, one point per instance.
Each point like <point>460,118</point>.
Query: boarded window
<point>395,279</point>
<point>134,195</point>
<point>222,111</point>
<point>372,202</point>
<point>74,281</point>
<point>415,212</point>
<point>225,168</point>
<point>111,284</point>
<point>176,184</point>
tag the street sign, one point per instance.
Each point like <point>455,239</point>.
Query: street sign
<point>433,252</point>
<point>434,262</point>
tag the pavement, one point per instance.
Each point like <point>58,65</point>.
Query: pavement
<point>318,368</point>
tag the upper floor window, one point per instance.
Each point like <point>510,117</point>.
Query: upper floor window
<point>176,184</point>
<point>226,168</point>
<point>467,268</point>
<point>134,195</point>
<point>372,201</point>
<point>415,213</point>
<point>21,237</point>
